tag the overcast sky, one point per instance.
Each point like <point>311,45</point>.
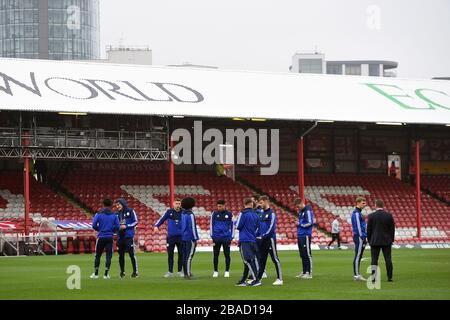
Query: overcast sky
<point>264,34</point>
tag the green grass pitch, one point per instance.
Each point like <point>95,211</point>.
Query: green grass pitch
<point>418,274</point>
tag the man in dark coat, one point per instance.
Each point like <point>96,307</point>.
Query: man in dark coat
<point>381,234</point>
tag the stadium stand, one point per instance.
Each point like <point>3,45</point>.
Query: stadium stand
<point>147,193</point>
<point>45,205</point>
<point>43,201</point>
<point>335,194</point>
<point>439,186</point>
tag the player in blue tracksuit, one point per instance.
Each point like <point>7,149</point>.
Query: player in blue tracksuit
<point>222,232</point>
<point>247,224</point>
<point>304,235</point>
<point>189,235</point>
<point>173,217</point>
<point>268,244</point>
<point>106,224</point>
<point>359,236</point>
<point>125,238</point>
<point>259,211</point>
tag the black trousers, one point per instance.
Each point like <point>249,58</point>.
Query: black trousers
<point>334,237</point>
<point>173,242</point>
<point>248,252</point>
<point>304,248</point>
<point>188,254</point>
<point>269,246</point>
<point>375,253</point>
<point>225,243</point>
<point>103,244</point>
<point>126,245</point>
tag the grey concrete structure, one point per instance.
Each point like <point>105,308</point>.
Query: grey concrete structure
<point>315,62</point>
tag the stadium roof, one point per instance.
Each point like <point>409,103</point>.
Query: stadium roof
<point>57,86</point>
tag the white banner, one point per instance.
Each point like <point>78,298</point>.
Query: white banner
<point>61,86</point>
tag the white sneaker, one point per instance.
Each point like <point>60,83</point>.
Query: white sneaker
<point>94,276</point>
<point>168,275</point>
<point>278,282</point>
<point>264,275</point>
<point>106,276</point>
<point>215,274</point>
<point>226,274</point>
<point>249,281</point>
<point>300,275</point>
<point>307,276</point>
<point>359,278</point>
<point>180,274</point>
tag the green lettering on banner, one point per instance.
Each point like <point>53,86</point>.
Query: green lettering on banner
<point>430,102</point>
<point>392,97</point>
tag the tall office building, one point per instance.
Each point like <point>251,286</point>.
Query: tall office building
<point>49,29</point>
